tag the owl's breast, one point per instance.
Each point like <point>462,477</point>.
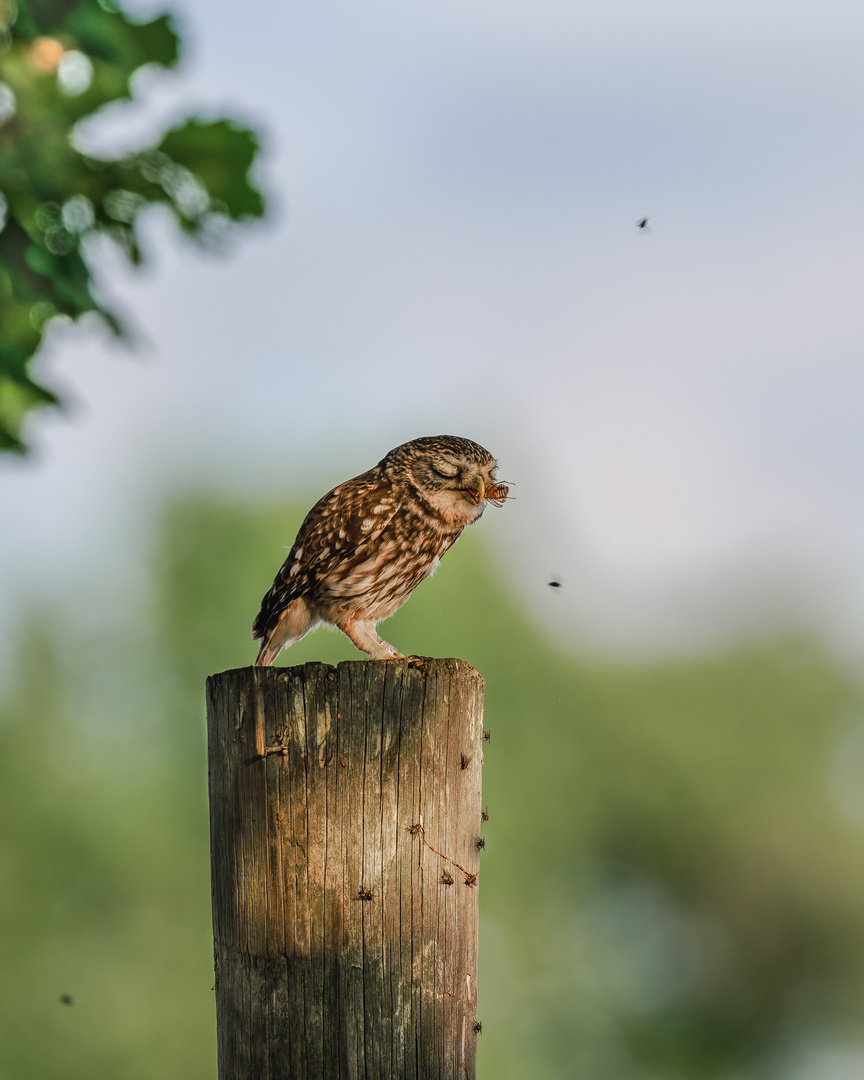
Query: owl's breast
<point>377,577</point>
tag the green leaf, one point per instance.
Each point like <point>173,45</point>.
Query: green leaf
<point>17,399</point>
<point>199,171</point>
<point>121,42</point>
<point>220,154</point>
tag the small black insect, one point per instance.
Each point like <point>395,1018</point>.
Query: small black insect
<point>464,761</point>
<point>554,584</point>
<point>471,879</point>
<point>642,223</point>
<point>484,814</point>
<point>481,843</point>
<point>67,999</point>
<point>478,1027</point>
<point>487,735</point>
<point>446,878</point>
<point>365,894</point>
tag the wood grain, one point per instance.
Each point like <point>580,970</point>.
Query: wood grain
<point>341,802</point>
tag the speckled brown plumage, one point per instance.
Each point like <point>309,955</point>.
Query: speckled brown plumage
<point>368,543</point>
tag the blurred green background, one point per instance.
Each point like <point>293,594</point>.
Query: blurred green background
<point>672,884</point>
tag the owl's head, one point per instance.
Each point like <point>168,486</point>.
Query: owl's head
<point>454,475</point>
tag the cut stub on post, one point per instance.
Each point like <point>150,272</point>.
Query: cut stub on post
<point>344,812</point>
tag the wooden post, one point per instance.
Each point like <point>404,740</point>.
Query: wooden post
<point>345,818</point>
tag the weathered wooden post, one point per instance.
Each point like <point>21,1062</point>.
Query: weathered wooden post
<point>345,818</point>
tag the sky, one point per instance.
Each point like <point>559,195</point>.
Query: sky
<point>453,248</point>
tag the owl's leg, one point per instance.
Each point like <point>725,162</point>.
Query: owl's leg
<point>362,634</point>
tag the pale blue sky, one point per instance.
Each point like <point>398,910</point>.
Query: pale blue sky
<point>454,249</point>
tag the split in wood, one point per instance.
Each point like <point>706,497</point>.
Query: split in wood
<point>418,830</point>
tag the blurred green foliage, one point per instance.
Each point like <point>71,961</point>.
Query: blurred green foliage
<point>60,62</point>
<point>667,891</point>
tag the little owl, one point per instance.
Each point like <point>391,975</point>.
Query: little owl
<point>369,543</point>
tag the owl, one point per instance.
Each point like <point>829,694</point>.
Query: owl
<point>368,544</point>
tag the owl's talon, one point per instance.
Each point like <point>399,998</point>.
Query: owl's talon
<point>415,661</point>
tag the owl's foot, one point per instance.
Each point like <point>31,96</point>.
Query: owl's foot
<point>362,635</point>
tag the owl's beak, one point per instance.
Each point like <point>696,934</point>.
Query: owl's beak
<point>475,490</point>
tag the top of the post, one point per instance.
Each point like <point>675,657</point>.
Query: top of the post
<point>421,667</point>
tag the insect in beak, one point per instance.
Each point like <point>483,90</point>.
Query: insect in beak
<point>497,494</point>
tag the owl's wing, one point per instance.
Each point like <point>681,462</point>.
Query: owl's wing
<point>338,529</point>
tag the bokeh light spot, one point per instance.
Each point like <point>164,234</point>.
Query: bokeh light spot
<point>75,73</point>
<point>46,54</point>
<point>8,102</point>
<point>78,214</point>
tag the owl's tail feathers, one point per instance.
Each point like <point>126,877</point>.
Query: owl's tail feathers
<point>294,622</point>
